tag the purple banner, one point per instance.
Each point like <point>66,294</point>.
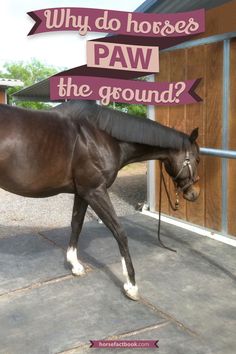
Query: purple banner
<point>127,91</point>
<point>84,20</point>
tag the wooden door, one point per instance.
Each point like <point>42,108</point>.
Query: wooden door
<point>204,61</point>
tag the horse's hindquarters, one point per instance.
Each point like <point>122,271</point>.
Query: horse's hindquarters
<point>35,155</point>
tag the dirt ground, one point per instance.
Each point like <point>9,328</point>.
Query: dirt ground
<point>19,214</point>
<point>186,298</point>
<point>130,186</point>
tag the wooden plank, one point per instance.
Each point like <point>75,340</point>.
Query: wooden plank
<point>232,142</point>
<point>213,134</point>
<point>2,96</point>
<point>162,116</point>
<point>177,115</point>
<point>195,117</point>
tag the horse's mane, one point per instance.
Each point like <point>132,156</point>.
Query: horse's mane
<point>125,127</point>
<point>120,125</point>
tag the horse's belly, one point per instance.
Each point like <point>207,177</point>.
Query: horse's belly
<point>32,189</point>
<point>34,179</point>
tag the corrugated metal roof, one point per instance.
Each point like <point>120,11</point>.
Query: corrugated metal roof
<point>171,6</point>
<point>39,92</point>
<point>10,82</point>
<point>146,5</point>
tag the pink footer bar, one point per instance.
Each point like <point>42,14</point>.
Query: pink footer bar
<point>124,344</point>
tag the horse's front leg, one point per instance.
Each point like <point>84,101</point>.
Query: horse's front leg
<point>99,200</point>
<point>79,210</point>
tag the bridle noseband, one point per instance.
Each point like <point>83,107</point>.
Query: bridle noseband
<point>192,180</point>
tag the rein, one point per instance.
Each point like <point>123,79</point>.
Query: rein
<point>175,207</point>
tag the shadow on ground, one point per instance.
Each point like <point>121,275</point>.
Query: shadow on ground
<point>187,298</point>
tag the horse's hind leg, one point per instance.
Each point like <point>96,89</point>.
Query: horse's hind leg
<point>100,202</point>
<point>79,210</point>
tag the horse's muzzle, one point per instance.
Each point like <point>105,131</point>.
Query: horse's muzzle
<point>192,193</point>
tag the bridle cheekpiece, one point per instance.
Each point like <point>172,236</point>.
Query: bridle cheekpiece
<point>192,180</point>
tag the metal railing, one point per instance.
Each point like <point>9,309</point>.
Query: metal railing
<point>228,154</point>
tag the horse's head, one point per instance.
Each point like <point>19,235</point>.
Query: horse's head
<point>182,167</point>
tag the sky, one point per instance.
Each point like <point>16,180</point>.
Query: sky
<point>58,49</point>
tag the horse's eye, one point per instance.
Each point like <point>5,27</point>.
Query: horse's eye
<point>198,159</point>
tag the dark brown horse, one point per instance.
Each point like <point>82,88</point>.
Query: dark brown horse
<point>78,148</point>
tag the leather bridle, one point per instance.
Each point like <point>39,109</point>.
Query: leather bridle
<point>192,180</point>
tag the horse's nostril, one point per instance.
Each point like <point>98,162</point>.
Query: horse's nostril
<point>192,194</point>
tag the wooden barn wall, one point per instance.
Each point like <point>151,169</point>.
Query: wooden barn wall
<point>204,61</point>
<point>2,96</point>
<point>219,20</point>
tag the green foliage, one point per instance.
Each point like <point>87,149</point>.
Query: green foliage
<point>29,73</point>
<point>138,110</point>
<point>134,109</point>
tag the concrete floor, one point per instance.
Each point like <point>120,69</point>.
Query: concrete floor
<point>187,299</point>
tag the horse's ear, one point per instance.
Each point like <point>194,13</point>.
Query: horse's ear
<point>193,136</point>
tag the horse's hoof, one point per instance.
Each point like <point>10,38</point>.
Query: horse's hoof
<point>131,291</point>
<point>78,271</point>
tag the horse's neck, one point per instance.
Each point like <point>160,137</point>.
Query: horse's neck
<point>131,152</point>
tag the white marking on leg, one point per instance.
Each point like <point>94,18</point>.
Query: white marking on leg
<point>130,289</point>
<point>125,272</point>
<point>71,256</point>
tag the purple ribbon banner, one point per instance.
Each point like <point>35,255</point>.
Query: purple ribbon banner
<point>84,20</point>
<point>126,91</point>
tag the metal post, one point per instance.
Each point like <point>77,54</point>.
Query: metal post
<point>151,173</point>
<point>225,127</point>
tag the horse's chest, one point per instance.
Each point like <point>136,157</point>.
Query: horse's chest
<point>95,163</point>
